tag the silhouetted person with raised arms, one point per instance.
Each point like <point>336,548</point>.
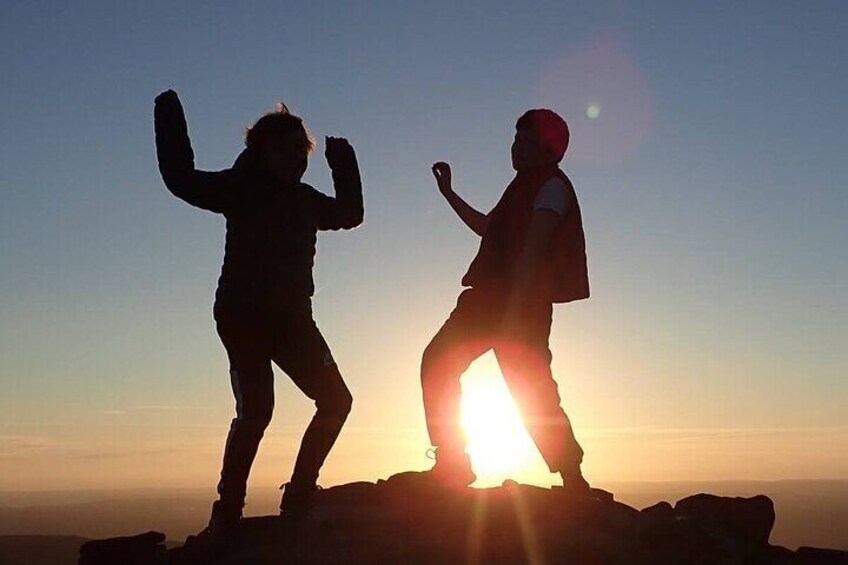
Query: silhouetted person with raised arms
<point>263,305</point>
<point>532,254</point>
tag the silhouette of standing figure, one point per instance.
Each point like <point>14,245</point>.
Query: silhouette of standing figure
<point>532,254</point>
<point>263,305</point>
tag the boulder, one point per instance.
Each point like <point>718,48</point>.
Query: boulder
<point>143,548</point>
<point>747,521</point>
<point>820,556</point>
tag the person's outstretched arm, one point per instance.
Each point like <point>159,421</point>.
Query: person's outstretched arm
<point>346,210</point>
<point>208,190</point>
<point>474,219</point>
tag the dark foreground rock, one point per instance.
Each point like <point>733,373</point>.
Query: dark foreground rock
<point>143,548</point>
<point>406,519</point>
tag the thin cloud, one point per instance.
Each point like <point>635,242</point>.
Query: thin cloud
<point>123,454</point>
<point>153,408</point>
<point>12,446</point>
<point>169,407</point>
<point>710,433</point>
<point>23,442</point>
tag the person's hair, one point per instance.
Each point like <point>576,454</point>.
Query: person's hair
<point>552,129</point>
<point>279,124</point>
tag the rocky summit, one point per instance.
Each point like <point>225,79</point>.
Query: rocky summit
<point>408,519</point>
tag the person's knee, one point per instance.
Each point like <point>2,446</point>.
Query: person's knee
<point>336,405</point>
<point>427,359</point>
<point>434,362</point>
<point>342,403</point>
<point>249,427</point>
<point>255,420</point>
<point>264,417</point>
<point>254,393</point>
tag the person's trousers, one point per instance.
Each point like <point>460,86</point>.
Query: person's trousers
<point>294,343</point>
<point>473,328</point>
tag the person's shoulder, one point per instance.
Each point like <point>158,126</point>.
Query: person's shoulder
<point>556,183</point>
<point>553,195</point>
<point>555,187</point>
<point>246,168</point>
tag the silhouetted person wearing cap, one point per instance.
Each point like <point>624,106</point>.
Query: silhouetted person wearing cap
<point>263,305</point>
<point>532,254</point>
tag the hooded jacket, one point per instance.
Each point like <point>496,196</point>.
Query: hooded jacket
<point>271,230</point>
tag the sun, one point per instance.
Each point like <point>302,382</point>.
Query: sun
<point>498,443</point>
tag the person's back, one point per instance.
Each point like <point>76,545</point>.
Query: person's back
<point>271,238</point>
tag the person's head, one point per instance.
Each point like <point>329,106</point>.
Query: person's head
<point>541,138</point>
<point>281,141</point>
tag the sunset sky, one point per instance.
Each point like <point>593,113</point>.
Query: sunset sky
<point>708,151</point>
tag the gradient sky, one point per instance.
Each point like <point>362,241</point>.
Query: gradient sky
<point>708,151</point>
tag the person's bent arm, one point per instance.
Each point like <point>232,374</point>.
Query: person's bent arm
<point>474,219</point>
<point>208,190</point>
<point>346,210</point>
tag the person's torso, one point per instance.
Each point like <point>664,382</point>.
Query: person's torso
<point>270,247</point>
<point>562,275</point>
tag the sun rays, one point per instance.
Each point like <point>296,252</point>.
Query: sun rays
<point>497,441</point>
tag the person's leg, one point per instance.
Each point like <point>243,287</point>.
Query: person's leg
<point>253,387</point>
<point>525,362</point>
<point>302,352</point>
<point>465,336</point>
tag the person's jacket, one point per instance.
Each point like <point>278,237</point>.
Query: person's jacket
<point>271,229</point>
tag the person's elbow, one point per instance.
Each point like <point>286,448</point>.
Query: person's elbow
<point>176,181</point>
<point>353,219</point>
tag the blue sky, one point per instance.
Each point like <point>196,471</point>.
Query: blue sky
<point>712,183</point>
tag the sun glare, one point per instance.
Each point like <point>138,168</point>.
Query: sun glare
<point>498,443</point>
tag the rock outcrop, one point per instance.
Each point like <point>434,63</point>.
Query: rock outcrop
<point>143,548</point>
<point>407,519</point>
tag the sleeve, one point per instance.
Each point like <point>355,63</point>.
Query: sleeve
<point>211,191</point>
<point>553,195</point>
<point>346,210</point>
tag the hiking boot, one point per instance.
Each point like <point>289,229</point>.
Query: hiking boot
<point>296,502</point>
<point>225,518</point>
<point>223,523</point>
<point>574,483</point>
<point>452,468</point>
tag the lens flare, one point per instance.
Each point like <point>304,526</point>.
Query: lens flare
<point>574,82</point>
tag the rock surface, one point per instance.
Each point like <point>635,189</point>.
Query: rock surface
<point>407,519</point>
<point>143,548</point>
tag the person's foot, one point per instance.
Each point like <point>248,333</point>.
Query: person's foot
<point>453,468</point>
<point>225,517</point>
<point>223,522</point>
<point>574,483</point>
<point>296,502</point>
